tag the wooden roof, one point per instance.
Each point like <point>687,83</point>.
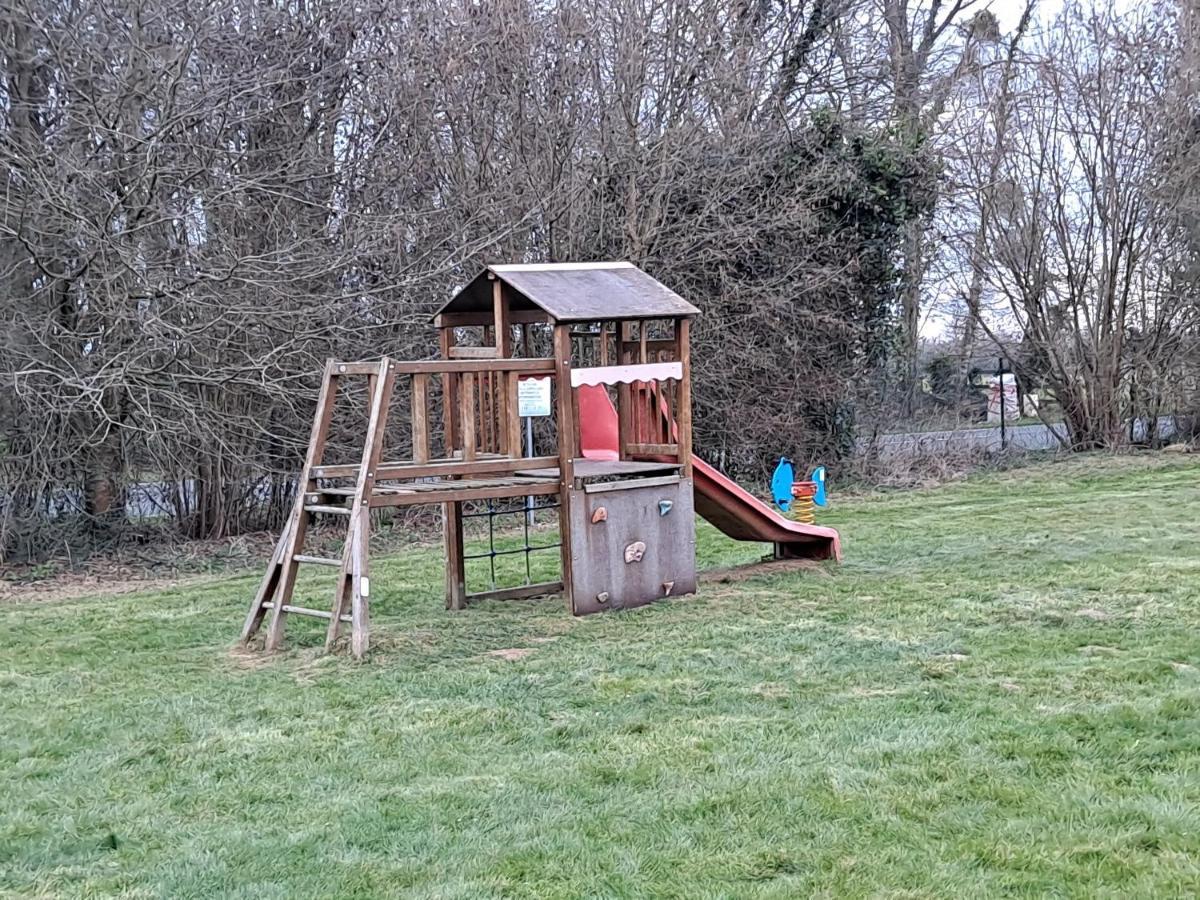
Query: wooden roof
<point>576,292</point>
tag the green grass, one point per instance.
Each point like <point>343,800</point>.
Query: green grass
<point>997,694</point>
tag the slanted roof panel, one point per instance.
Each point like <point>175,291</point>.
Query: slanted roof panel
<point>578,292</point>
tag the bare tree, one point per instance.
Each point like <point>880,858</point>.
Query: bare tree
<point>1083,243</point>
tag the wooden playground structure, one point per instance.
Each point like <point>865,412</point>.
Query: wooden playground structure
<point>622,473</point>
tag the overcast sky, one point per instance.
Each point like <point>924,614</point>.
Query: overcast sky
<point>1008,12</point>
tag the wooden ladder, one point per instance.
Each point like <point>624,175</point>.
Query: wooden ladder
<point>353,584</point>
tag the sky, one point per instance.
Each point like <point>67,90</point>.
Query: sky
<point>1008,12</point>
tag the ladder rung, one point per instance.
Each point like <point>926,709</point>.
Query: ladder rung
<point>356,368</point>
<point>318,560</point>
<point>305,611</point>
<point>330,510</point>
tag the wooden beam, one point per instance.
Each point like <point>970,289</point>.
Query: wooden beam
<point>440,468</point>
<point>630,483</point>
<point>452,536</point>
<point>449,392</point>
<point>466,408</point>
<point>648,449</point>
<point>423,498</point>
<point>624,392</point>
<point>501,320</point>
<point>354,368</point>
<point>474,353</point>
<point>683,397</point>
<point>420,418</point>
<point>431,366</point>
<point>524,592</point>
<point>566,445</point>
<point>512,388</point>
<point>487,317</point>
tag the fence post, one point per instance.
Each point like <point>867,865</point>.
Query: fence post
<point>1003,403</point>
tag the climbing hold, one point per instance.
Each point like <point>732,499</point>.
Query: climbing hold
<point>600,515</point>
<point>602,597</point>
<point>668,586</point>
<point>664,506</point>
<point>635,551</point>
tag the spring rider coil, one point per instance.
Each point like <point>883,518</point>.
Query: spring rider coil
<point>803,509</point>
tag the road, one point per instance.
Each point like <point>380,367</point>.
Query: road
<point>1022,437</point>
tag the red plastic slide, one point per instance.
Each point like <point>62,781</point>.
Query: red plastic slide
<point>734,510</point>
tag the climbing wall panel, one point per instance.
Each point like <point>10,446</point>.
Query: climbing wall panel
<point>632,542</point>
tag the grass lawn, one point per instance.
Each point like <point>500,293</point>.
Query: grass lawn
<point>998,693</point>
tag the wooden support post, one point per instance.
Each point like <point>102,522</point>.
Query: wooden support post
<point>513,423</point>
<point>452,537</point>
<point>625,435</point>
<point>566,446</point>
<point>269,587</point>
<point>449,394</point>
<point>500,315</point>
<point>420,418</point>
<point>467,413</point>
<point>354,584</point>
<point>683,397</point>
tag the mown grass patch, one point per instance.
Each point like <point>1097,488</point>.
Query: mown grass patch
<point>998,693</point>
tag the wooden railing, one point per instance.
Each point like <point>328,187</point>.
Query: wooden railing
<point>480,425</point>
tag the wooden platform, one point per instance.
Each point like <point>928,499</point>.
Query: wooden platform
<point>601,468</point>
<point>417,493</point>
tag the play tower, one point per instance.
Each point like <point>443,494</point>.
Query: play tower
<point>607,346</point>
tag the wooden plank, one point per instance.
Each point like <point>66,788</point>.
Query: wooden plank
<point>449,392</point>
<point>420,418</point>
<point>360,588</point>
<point>327,510</point>
<point>566,444</point>
<point>523,592</point>
<point>683,397</point>
<point>445,493</point>
<point>305,611</point>
<point>466,411</point>
<point>318,560</point>
<point>501,319</point>
<point>452,537</point>
<point>624,392</point>
<point>354,563</point>
<point>628,484</point>
<point>513,419</point>
<point>605,468</point>
<point>474,353</point>
<point>270,582</point>
<point>342,367</point>
<point>487,317</point>
<point>648,449</point>
<point>390,471</point>
<point>484,380</point>
<point>358,549</point>
<point>463,366</point>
